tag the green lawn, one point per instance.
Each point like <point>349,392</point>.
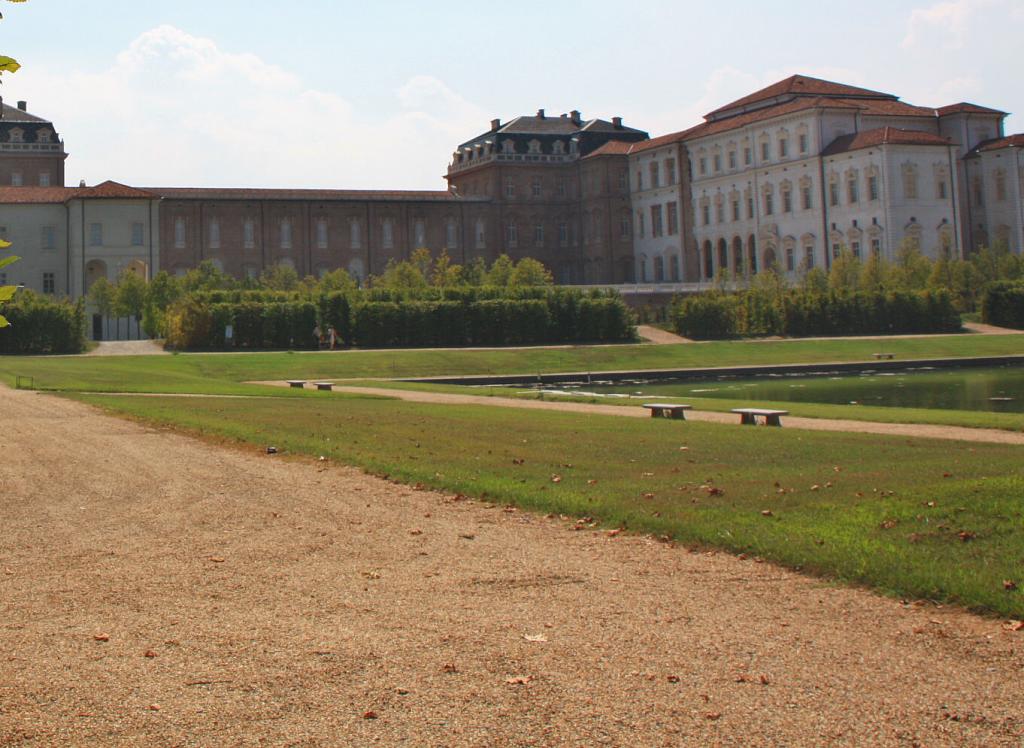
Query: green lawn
<point>221,374</point>
<point>933,519</point>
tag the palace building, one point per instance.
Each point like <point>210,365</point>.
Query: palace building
<point>786,177</point>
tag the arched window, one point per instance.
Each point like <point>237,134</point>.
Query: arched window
<point>355,234</point>
<point>709,262</point>
<point>357,270</point>
<point>737,255</point>
<point>674,261</point>
<point>321,233</point>
<point>659,269</point>
<point>179,233</point>
<point>512,235</point>
<point>214,233</point>
<point>909,172</point>
<point>752,253</point>
<point>249,233</point>
<point>723,255</point>
<point>387,234</point>
<point>481,233</point>
<point>420,234</point>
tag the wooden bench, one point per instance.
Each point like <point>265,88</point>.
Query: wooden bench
<point>880,356</point>
<point>297,383</point>
<point>749,416</point>
<point>668,410</point>
<point>324,386</point>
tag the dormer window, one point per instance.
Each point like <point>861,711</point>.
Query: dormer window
<point>559,147</point>
<point>508,146</point>
<point>17,135</point>
<point>534,146</point>
<point>43,136</point>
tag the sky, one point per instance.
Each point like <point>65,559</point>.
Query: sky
<point>376,94</point>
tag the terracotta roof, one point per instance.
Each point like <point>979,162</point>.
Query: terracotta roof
<point>1010,141</point>
<point>611,148</point>
<point>801,85</point>
<point>662,140</point>
<point>245,193</point>
<point>113,190</point>
<point>965,107</point>
<point>882,136</point>
<point>35,195</point>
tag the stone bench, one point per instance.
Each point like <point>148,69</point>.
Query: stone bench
<point>880,356</point>
<point>749,416</point>
<point>297,383</point>
<point>668,410</point>
<point>324,386</point>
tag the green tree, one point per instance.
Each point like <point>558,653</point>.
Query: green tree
<point>500,272</point>
<point>474,273</point>
<point>129,298</point>
<point>403,275</point>
<point>911,270</point>
<point>206,277</point>
<point>337,280</point>
<point>101,296</point>
<point>874,274</point>
<point>444,272</point>
<point>163,290</point>
<point>422,261</point>
<point>279,278</point>
<point>815,281</point>
<point>844,277</point>
<point>7,65</point>
<point>530,272</point>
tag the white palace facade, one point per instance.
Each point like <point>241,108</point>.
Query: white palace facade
<point>784,178</point>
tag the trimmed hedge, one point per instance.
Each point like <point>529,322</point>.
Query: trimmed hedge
<point>379,318</point>
<point>43,325</point>
<point>801,314</point>
<point>1002,304</point>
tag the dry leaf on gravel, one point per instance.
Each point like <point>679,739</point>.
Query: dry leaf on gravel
<point>370,715</point>
<point>535,637</point>
<point>519,680</point>
<point>102,637</point>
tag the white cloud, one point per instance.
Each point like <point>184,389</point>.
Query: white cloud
<point>944,24</point>
<point>177,110</point>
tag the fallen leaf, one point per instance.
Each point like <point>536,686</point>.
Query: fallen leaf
<point>815,487</point>
<point>154,707</point>
<point>613,533</point>
<point>102,637</point>
<point>966,535</point>
<point>216,559</point>
<point>1014,625</point>
<point>519,680</point>
<point>449,667</point>
<point>713,715</point>
<point>535,638</point>
<point>1009,585</point>
<point>767,513</point>
<point>764,680</point>
<point>556,478</point>
<point>370,715</point>
<point>591,482</point>
<point>673,679</point>
<point>417,531</point>
<point>149,653</point>
<point>467,536</point>
<point>518,461</point>
<point>648,495</point>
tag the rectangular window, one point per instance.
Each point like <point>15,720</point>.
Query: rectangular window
<point>718,162</point>
<point>624,226</point>
<point>809,257</point>
<point>720,212</point>
<point>214,233</point>
<point>249,233</point>
<point>1000,180</point>
<point>655,175</point>
<point>673,218</point>
<point>138,233</point>
<point>510,188</point>
<point>538,235</point>
<point>942,189</point>
<point>855,247</point>
<point>876,246</point>
<point>703,165</point>
<point>732,159</point>
<point>512,235</point>
<point>750,208</point>
<point>769,203</point>
<point>17,180</point>
<point>640,225</point>
<point>639,180</point>
<point>872,187</point>
<point>560,186</point>
<point>790,259</point>
<point>387,234</point>
<point>286,234</point>
<point>765,153</point>
<point>852,191</point>
<point>735,210</point>
<point>48,237</point>
<point>803,147</point>
<point>622,183</point>
<point>833,194</point>
<point>787,202</point>
<point>481,234</point>
<point>95,234</point>
<point>179,233</point>
<point>49,283</point>
<point>563,234</point>
<point>44,179</point>
<point>321,233</point>
<point>670,170</point>
<point>537,187</point>
<point>783,147</point>
<point>656,227</point>
<point>808,202</point>
<point>706,214</point>
<point>836,249</point>
<point>747,156</point>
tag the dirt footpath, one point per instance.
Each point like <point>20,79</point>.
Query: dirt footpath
<point>157,590</point>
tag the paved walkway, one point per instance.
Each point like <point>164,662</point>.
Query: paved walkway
<point>127,348</point>
<point>161,590</point>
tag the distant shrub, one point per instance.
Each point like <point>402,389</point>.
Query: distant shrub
<point>1002,304</point>
<point>42,325</point>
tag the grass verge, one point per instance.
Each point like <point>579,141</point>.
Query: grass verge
<point>936,520</point>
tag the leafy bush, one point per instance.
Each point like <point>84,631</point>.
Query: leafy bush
<point>39,324</point>
<point>1002,304</point>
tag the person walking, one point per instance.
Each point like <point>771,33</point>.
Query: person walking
<point>318,337</point>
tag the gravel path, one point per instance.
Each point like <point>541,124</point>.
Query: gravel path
<point>158,590</point>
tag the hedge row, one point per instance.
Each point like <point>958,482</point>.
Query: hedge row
<point>42,325</point>
<point>1003,304</point>
<point>559,318</point>
<point>801,314</point>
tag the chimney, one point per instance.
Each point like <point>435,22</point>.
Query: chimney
<point>81,184</point>
<point>577,118</point>
<point>23,106</point>
<point>495,125</point>
<point>540,114</point>
<point>617,122</point>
